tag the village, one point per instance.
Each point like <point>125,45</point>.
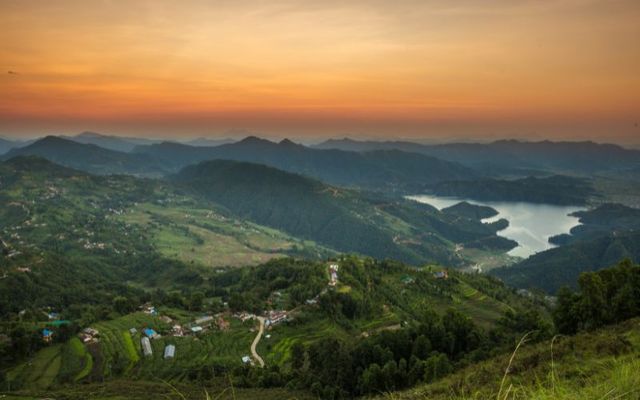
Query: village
<point>160,324</point>
<point>196,328</point>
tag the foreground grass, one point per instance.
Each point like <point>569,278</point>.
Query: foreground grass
<point>603,365</point>
<point>123,389</point>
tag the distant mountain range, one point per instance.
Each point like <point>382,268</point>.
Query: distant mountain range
<point>112,142</point>
<point>388,170</point>
<point>557,189</point>
<point>384,169</point>
<point>88,157</point>
<point>208,142</point>
<point>504,158</point>
<point>116,143</point>
<point>510,155</point>
<point>8,144</point>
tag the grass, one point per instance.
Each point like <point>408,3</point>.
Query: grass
<point>120,353</point>
<point>208,238</point>
<point>277,349</point>
<point>125,389</point>
<point>601,365</point>
<point>86,369</point>
<point>40,371</point>
<point>132,353</point>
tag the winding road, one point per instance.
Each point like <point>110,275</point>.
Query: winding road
<point>254,353</point>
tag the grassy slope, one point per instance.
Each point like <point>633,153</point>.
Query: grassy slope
<point>40,200</point>
<point>343,219</point>
<point>211,238</point>
<point>598,365</point>
<point>123,389</point>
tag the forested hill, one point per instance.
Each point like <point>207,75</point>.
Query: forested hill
<point>605,235</point>
<point>88,157</point>
<point>343,219</point>
<point>604,220</point>
<point>580,157</point>
<point>561,190</point>
<point>589,358</point>
<point>550,270</point>
<point>471,211</point>
<point>387,169</point>
<point>6,145</point>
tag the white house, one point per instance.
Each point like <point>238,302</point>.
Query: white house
<point>146,346</point>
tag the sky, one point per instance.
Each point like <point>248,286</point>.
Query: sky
<point>557,69</point>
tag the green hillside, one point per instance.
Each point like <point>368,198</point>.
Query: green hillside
<point>557,189</point>
<point>370,299</point>
<point>550,270</point>
<point>88,157</point>
<point>600,365</point>
<point>346,220</point>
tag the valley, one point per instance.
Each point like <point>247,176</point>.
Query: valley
<point>243,278</point>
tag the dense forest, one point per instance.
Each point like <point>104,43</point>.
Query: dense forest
<point>557,189</point>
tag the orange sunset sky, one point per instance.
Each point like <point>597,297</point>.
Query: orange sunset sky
<point>377,69</point>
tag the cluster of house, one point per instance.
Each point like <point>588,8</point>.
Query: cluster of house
<point>89,335</point>
<point>244,316</point>
<point>333,274</point>
<point>199,325</point>
<point>145,343</point>
<point>441,274</point>
<point>275,317</point>
<point>148,308</point>
<point>54,322</point>
<point>206,322</point>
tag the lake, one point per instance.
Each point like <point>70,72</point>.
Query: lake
<point>530,224</point>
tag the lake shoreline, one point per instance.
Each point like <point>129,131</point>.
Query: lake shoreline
<point>530,224</point>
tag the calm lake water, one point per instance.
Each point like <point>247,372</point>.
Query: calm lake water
<point>530,224</point>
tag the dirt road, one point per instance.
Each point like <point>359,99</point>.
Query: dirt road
<point>254,353</point>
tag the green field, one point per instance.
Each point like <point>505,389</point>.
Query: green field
<point>210,238</point>
<point>121,353</point>
<point>40,371</point>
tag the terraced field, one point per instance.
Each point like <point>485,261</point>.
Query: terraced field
<point>40,371</point>
<point>482,308</point>
<point>120,353</point>
<point>277,348</point>
<point>212,239</point>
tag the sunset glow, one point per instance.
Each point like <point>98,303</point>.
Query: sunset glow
<point>565,69</point>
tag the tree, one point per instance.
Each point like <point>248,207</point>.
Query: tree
<point>437,366</point>
<point>297,356</point>
<point>372,379</point>
<point>390,375</point>
<point>122,305</point>
<point>565,316</point>
<point>196,301</point>
<point>421,347</point>
<point>592,306</point>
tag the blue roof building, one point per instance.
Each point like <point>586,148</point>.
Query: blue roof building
<point>151,333</point>
<point>47,335</point>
